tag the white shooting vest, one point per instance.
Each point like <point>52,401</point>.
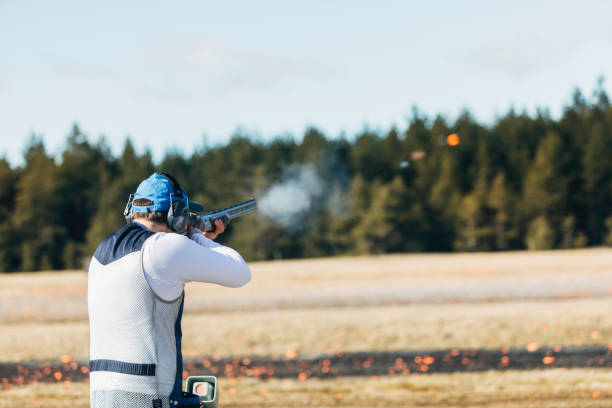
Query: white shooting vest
<point>135,337</point>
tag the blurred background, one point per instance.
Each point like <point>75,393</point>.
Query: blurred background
<point>434,182</point>
<point>397,128</point>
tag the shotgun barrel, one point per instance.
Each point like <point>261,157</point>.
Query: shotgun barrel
<point>206,222</point>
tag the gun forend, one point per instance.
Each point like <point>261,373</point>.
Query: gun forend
<point>206,222</point>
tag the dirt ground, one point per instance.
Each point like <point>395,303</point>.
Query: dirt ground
<point>510,389</point>
<point>392,302</point>
<point>306,331</point>
<point>397,302</point>
<point>343,282</point>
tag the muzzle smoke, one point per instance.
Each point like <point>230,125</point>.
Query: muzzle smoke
<point>302,193</point>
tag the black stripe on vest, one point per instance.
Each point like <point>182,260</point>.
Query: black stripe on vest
<point>122,367</point>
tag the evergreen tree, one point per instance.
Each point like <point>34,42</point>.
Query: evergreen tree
<point>9,237</point>
<point>499,200</point>
<point>544,189</point>
<point>374,230</point>
<point>597,165</point>
<point>540,234</point>
<point>525,181</point>
<point>79,178</point>
<point>367,158</point>
<point>473,232</point>
<point>38,219</point>
<point>114,193</point>
<point>445,194</point>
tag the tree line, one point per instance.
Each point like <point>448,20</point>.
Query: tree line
<point>522,182</point>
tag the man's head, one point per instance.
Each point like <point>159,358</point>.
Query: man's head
<point>161,200</point>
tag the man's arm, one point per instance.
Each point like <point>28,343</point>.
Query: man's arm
<point>171,260</point>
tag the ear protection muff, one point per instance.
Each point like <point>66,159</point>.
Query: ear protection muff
<point>178,213</point>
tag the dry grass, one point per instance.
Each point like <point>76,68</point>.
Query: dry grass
<point>425,327</point>
<point>466,325</point>
<point>509,389</point>
<point>349,304</point>
<point>358,281</point>
<point>365,303</point>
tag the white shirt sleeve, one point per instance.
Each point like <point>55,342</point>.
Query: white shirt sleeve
<point>171,260</point>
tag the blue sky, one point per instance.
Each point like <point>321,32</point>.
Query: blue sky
<point>166,73</point>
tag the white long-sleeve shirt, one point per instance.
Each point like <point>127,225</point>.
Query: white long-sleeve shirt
<point>135,301</point>
<point>171,260</point>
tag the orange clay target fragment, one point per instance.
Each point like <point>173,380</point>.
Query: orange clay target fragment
<point>452,139</point>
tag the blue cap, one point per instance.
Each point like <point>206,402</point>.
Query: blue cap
<point>159,189</point>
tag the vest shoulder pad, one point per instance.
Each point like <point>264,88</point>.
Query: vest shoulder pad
<point>122,242</point>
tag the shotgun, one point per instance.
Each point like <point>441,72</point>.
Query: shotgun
<point>206,222</point>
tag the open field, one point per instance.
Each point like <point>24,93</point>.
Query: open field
<point>342,282</point>
<point>542,389</point>
<point>348,304</point>
<point>306,331</point>
<point>398,302</point>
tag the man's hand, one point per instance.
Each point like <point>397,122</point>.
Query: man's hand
<point>219,228</point>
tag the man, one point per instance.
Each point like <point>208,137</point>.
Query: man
<point>135,297</point>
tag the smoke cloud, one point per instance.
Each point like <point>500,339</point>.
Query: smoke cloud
<point>303,193</point>
<point>290,200</point>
